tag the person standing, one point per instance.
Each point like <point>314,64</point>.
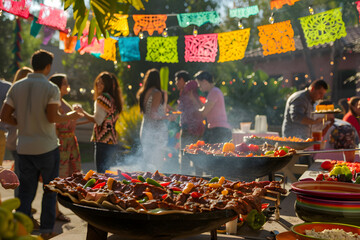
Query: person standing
<point>4,88</point>
<point>12,134</point>
<point>70,161</point>
<point>107,108</point>
<point>218,129</point>
<point>352,116</point>
<point>299,106</point>
<point>32,105</point>
<point>154,128</point>
<point>191,120</point>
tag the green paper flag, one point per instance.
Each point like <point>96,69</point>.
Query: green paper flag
<point>164,78</point>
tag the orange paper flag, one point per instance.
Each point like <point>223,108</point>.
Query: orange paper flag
<point>149,23</point>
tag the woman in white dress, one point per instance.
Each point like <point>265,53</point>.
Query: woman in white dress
<point>154,128</point>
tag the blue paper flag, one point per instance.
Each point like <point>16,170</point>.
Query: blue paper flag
<point>78,45</point>
<point>244,12</point>
<point>129,49</point>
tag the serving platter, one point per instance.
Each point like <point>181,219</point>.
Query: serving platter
<point>328,189</point>
<point>335,111</point>
<point>132,225</point>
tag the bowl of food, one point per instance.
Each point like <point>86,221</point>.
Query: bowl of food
<point>322,231</point>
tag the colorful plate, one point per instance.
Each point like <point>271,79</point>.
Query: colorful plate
<point>327,189</point>
<point>299,229</point>
<point>286,236</point>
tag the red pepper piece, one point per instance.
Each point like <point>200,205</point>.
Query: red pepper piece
<point>196,195</point>
<point>164,196</point>
<point>164,184</point>
<point>99,185</point>
<point>126,176</point>
<point>175,189</point>
<point>135,181</point>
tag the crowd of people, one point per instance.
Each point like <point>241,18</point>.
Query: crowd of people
<point>38,126</point>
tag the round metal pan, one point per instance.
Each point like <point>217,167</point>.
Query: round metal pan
<point>243,168</point>
<point>294,145</point>
<point>132,225</point>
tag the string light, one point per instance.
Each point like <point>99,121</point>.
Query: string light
<point>115,64</point>
<point>275,82</point>
<point>0,13</point>
<point>331,74</point>
<point>344,58</point>
<point>296,78</point>
<point>195,32</point>
<point>223,83</point>
<point>129,87</point>
<point>82,90</point>
<point>255,83</point>
<point>271,18</point>
<point>165,33</point>
<point>311,10</point>
<point>171,82</point>
<point>331,62</point>
<point>234,80</point>
<point>68,89</point>
<point>240,24</point>
<point>322,77</point>
<point>265,83</point>
<point>142,74</point>
<point>286,80</point>
<point>141,35</point>
<point>306,76</point>
<point>92,91</point>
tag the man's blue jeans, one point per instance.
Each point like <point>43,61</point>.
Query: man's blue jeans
<point>31,167</point>
<point>104,155</point>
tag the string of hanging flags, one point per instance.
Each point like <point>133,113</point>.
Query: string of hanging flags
<point>275,38</point>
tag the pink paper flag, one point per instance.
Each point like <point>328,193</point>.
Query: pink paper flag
<point>202,48</point>
<point>52,17</point>
<point>18,8</point>
<point>96,46</point>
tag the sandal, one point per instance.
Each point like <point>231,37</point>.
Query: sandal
<point>61,217</point>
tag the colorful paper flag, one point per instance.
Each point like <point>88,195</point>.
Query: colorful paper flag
<point>69,42</point>
<point>149,23</point>
<point>232,45</point>
<point>18,8</point>
<point>323,27</point>
<point>202,48</point>
<point>129,49</point>
<point>160,49</point>
<point>244,12</point>
<point>52,17</point>
<point>277,38</point>
<point>280,3</point>
<point>199,18</point>
<point>118,25</point>
<point>109,49</point>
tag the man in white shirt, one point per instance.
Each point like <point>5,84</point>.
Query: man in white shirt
<point>35,102</point>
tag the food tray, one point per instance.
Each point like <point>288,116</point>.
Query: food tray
<point>294,145</point>
<point>335,111</point>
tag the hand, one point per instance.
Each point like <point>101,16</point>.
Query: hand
<point>8,179</point>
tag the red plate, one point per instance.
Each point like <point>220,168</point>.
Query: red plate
<point>327,189</point>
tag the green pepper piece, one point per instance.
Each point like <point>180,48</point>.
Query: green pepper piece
<point>269,152</point>
<point>177,192</point>
<point>285,149</point>
<point>90,183</point>
<point>125,181</point>
<point>255,219</point>
<point>357,180</point>
<point>214,180</point>
<point>153,182</point>
<point>141,178</point>
<point>143,200</point>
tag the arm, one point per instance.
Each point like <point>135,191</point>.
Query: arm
<point>208,106</point>
<point>53,115</point>
<point>7,116</point>
<point>298,110</point>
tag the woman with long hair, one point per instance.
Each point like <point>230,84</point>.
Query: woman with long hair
<point>352,116</point>
<point>107,107</point>
<point>154,130</point>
